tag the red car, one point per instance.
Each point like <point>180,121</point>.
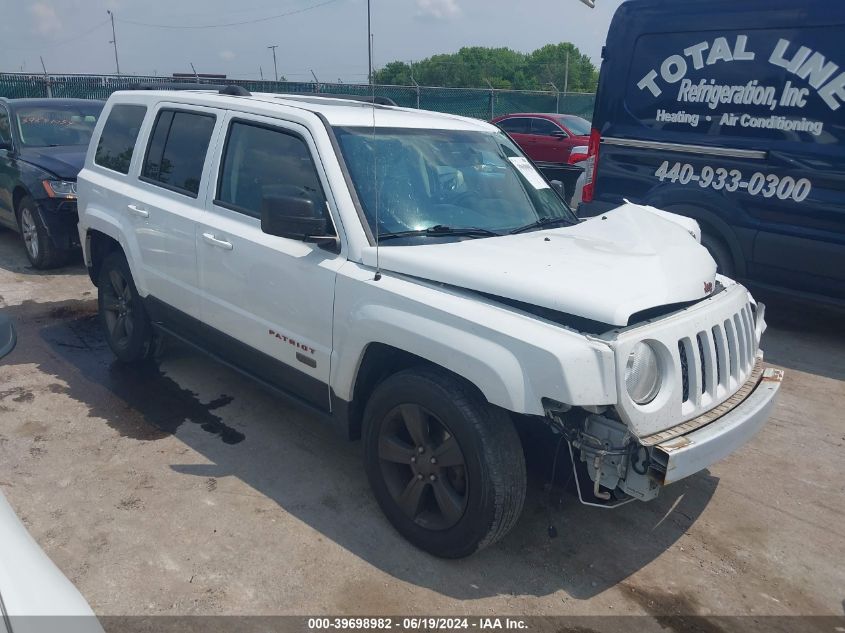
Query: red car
<point>547,138</point>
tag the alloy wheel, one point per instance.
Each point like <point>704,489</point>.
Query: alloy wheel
<point>118,308</point>
<point>423,467</point>
<point>30,232</point>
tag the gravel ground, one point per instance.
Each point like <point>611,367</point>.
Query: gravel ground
<point>185,489</point>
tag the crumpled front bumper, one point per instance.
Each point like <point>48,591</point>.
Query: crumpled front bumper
<point>687,454</point>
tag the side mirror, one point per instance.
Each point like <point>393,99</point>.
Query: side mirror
<point>7,145</point>
<point>295,218</point>
<point>8,338</point>
<point>557,185</point>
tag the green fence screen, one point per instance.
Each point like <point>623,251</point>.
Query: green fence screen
<point>478,103</point>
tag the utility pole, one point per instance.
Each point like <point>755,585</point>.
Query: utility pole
<point>275,68</point>
<point>414,81</point>
<point>566,74</point>
<point>46,78</point>
<point>557,100</point>
<point>114,41</point>
<point>196,76</point>
<point>492,98</point>
<point>261,73</point>
<point>369,44</point>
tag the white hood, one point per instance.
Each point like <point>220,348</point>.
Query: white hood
<point>605,268</point>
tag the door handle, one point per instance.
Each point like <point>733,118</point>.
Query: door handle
<point>208,237</point>
<point>134,208</point>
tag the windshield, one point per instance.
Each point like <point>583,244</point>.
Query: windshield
<point>576,125</point>
<point>50,126</point>
<point>416,179</point>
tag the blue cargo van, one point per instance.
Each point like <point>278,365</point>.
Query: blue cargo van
<point>732,113</point>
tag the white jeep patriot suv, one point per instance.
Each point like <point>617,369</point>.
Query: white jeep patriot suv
<point>411,277</point>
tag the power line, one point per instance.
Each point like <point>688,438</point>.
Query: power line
<point>232,12</point>
<point>59,43</point>
<point>216,26</point>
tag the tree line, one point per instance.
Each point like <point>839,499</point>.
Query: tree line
<point>504,68</point>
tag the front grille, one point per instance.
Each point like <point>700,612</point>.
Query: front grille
<point>717,359</point>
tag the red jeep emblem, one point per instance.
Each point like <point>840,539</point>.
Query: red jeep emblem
<point>708,287</point>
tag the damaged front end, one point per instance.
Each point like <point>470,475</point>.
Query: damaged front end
<point>615,462</point>
<point>704,392</point>
<point>622,467</point>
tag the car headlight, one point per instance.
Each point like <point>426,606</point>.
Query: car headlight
<point>60,188</point>
<point>642,373</point>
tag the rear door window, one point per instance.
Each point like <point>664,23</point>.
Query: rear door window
<point>5,129</point>
<point>117,140</point>
<point>177,149</point>
<point>516,125</point>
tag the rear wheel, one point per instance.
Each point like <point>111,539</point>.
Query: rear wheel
<point>445,466</point>
<point>40,250</point>
<point>125,322</point>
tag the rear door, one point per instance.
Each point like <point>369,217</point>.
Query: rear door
<point>272,296</point>
<point>165,204</point>
<point>519,129</point>
<point>7,171</point>
<point>551,144</point>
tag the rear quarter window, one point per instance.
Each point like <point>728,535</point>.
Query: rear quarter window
<point>117,140</point>
<point>764,85</point>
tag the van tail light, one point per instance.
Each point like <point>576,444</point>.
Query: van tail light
<point>591,166</point>
<point>578,154</point>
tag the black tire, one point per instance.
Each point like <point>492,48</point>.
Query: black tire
<point>125,323</point>
<point>40,249</point>
<point>720,252</point>
<point>458,508</point>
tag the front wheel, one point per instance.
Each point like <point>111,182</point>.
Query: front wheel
<point>125,322</point>
<point>40,250</point>
<point>445,466</point>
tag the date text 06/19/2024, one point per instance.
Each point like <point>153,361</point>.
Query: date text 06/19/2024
<point>417,623</point>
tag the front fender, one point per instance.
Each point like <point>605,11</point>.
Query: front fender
<point>489,366</point>
<point>514,359</point>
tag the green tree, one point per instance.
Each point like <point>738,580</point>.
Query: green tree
<point>505,68</point>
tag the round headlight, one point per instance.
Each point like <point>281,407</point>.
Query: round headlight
<point>642,374</point>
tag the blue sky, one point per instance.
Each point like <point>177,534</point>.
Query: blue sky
<point>326,36</point>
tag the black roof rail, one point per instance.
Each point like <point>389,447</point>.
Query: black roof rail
<point>379,100</point>
<point>223,89</point>
<point>235,91</point>
<point>175,85</point>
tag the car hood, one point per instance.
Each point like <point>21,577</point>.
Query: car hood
<point>32,585</point>
<point>64,162</point>
<point>604,269</point>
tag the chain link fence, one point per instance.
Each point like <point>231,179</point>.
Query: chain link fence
<point>472,102</point>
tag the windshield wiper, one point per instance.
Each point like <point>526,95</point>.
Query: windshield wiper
<point>541,223</point>
<point>439,230</point>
